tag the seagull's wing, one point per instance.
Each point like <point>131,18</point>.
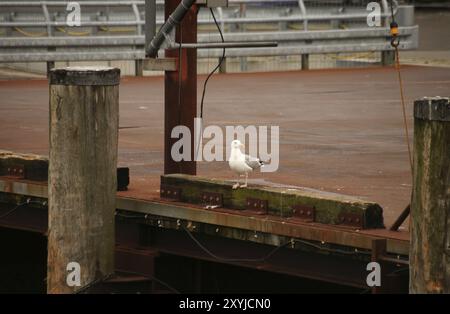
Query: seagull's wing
<point>253,162</point>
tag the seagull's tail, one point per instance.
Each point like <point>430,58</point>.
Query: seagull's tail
<point>263,163</point>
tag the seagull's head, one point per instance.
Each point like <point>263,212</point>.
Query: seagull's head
<point>236,144</point>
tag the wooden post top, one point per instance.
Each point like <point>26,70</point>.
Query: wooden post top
<point>85,76</point>
<point>432,108</point>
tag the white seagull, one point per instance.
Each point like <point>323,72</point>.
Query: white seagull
<point>241,163</point>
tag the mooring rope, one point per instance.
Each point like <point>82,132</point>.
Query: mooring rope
<point>395,42</point>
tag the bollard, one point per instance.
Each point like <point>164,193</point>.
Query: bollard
<point>387,57</point>
<point>84,115</point>
<point>139,67</point>
<point>430,205</point>
<point>305,61</point>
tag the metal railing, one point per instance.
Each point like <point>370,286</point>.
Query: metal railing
<point>100,42</point>
<point>138,14</point>
<point>131,47</point>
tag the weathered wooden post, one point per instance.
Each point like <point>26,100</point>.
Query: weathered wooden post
<point>84,111</point>
<point>430,206</point>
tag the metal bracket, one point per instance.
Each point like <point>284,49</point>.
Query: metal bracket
<point>123,178</point>
<point>304,213</point>
<point>398,222</point>
<point>212,199</point>
<point>16,171</point>
<point>160,64</point>
<point>257,206</point>
<point>170,192</point>
<point>380,255</point>
<point>232,44</point>
<point>351,220</point>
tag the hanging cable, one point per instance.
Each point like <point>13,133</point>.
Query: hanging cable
<point>108,277</point>
<point>153,278</point>
<point>93,283</point>
<point>271,253</point>
<point>395,42</point>
<point>402,97</point>
<point>29,34</point>
<point>404,109</point>
<point>319,247</point>
<point>217,66</point>
<point>232,260</point>
<point>29,201</point>
<point>206,82</point>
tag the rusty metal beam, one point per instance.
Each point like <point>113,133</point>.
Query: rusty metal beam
<point>399,221</point>
<point>271,225</point>
<point>138,261</point>
<point>275,226</point>
<point>139,244</point>
<point>328,268</point>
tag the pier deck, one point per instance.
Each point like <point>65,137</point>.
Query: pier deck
<point>337,130</point>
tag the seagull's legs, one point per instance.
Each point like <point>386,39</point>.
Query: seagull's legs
<point>246,179</point>
<point>235,186</point>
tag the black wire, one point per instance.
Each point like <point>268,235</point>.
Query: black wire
<point>207,79</point>
<point>330,249</point>
<point>270,254</point>
<point>273,251</point>
<point>93,283</point>
<point>322,248</point>
<point>101,280</point>
<point>218,65</point>
<point>165,284</point>
<point>18,206</point>
<point>131,216</point>
<point>392,10</point>
<point>398,271</point>
<point>12,210</point>
<point>230,260</point>
<point>395,41</point>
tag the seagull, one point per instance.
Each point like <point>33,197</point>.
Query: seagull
<point>241,163</point>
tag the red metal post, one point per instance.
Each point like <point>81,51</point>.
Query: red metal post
<point>184,111</point>
<point>379,247</point>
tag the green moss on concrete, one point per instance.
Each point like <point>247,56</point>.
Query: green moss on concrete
<point>280,200</point>
<point>36,167</point>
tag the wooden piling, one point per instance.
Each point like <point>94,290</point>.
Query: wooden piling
<point>84,111</point>
<point>430,206</point>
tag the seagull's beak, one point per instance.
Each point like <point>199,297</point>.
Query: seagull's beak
<point>241,145</point>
